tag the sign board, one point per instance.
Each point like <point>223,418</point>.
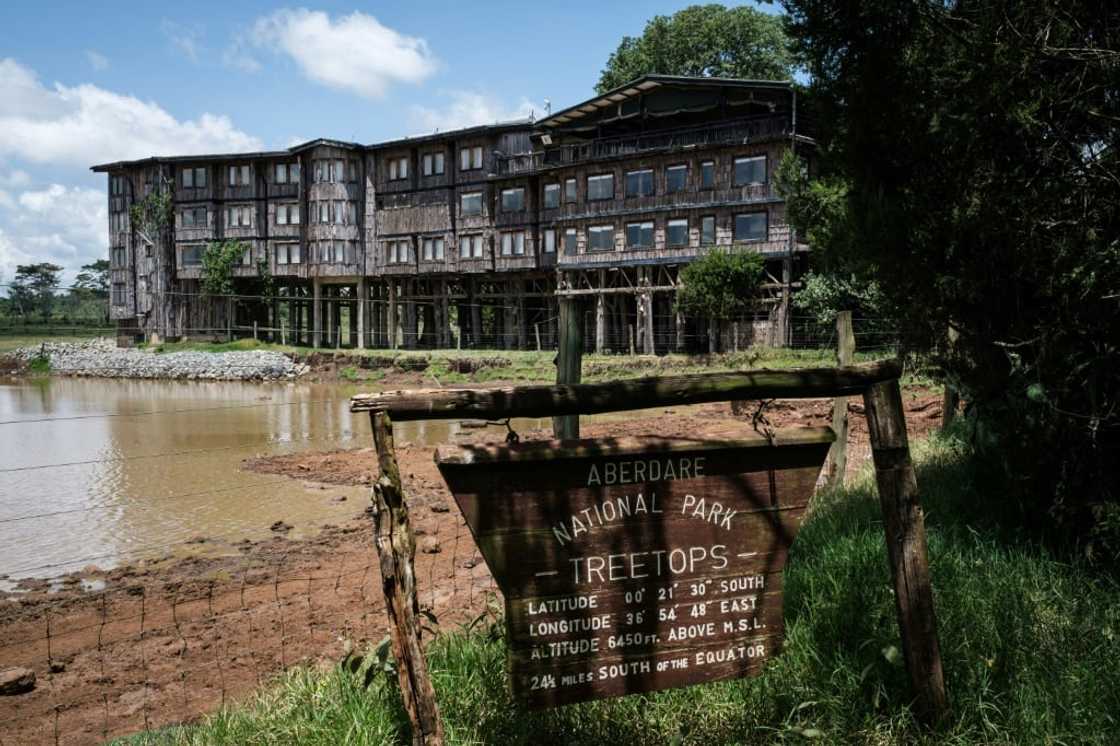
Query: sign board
<point>634,565</point>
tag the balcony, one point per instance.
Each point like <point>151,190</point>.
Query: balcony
<point>734,132</point>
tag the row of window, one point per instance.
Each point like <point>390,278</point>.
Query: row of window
<point>116,185</point>
<point>118,294</point>
<point>432,164</point>
<point>331,212</point>
<point>335,170</point>
<point>118,222</point>
<point>286,252</point>
<point>241,175</point>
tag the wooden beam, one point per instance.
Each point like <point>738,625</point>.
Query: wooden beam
<point>652,288</point>
<point>569,362</point>
<point>904,523</point>
<point>845,351</point>
<point>640,393</point>
<point>396,550</point>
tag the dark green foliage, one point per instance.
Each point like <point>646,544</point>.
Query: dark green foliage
<point>971,166</point>
<point>93,279</point>
<point>33,289</point>
<point>218,261</point>
<point>153,213</point>
<point>720,285</point>
<point>709,40</point>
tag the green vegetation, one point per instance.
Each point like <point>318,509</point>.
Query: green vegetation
<point>218,261</point>
<point>720,286</point>
<point>711,40</point>
<point>1006,235</point>
<point>153,213</point>
<point>1029,643</point>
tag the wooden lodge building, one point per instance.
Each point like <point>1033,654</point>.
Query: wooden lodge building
<point>469,237</point>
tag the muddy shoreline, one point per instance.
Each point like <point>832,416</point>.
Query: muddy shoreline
<point>167,640</point>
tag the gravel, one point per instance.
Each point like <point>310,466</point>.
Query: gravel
<point>102,358</point>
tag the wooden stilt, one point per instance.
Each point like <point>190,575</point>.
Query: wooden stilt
<point>845,351</point>
<point>569,362</point>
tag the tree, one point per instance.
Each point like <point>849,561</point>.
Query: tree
<point>721,286</point>
<point>976,144</point>
<point>94,279</point>
<point>34,286</point>
<point>708,40</point>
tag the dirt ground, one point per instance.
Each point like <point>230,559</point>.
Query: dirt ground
<point>166,641</point>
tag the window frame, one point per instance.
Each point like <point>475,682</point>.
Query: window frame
<point>548,241</point>
<point>676,223</point>
<point>639,191</point>
<point>599,230</point>
<point>684,182</point>
<point>554,188</point>
<point>462,203</point>
<point>573,248</point>
<point>571,196</point>
<point>704,220</point>
<point>520,191</point>
<point>641,226</point>
<point>765,226</point>
<point>599,178</point>
<point>749,158</point>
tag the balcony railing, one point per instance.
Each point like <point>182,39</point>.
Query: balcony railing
<point>734,132</point>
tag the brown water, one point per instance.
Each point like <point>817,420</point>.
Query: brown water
<point>100,471</point>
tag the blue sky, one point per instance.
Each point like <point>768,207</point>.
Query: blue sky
<point>80,86</point>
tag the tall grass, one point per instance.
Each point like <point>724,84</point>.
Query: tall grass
<point>1031,647</point>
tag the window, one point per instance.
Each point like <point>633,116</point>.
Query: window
<point>352,213</point>
<point>338,175</point>
<point>639,235</point>
<point>287,253</point>
<point>293,175</point>
<point>398,168</point>
<point>247,256</point>
<point>638,184</point>
<point>239,175</point>
<point>238,216</point>
<point>676,179</point>
<point>470,203</point>
<point>550,240</point>
<point>750,226</point>
<point>117,256</point>
<point>513,200</point>
<point>571,242</point>
<point>433,249</point>
<point>707,174</point>
<point>600,238</point>
<point>318,172</point>
<point>351,170</point>
<point>120,294</point>
<point>194,217</point>
<point>433,164</point>
<point>677,233</point>
<point>281,173</point>
<point>287,214</point>
<point>191,255</point>
<point>513,243</point>
<point>470,158</point>
<point>569,190</point>
<point>470,247</point>
<point>397,251</point>
<point>600,187</point>
<point>750,170</point>
<point>551,196</point>
<point>194,178</point>
<point>707,230</point>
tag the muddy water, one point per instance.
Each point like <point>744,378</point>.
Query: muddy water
<point>103,471</point>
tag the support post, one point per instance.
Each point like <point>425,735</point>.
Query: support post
<point>845,350</point>
<point>647,342</point>
<point>316,312</point>
<point>392,320</point>
<point>396,549</point>
<point>904,523</point>
<point>569,362</point>
<point>600,323</point>
<point>363,312</point>
<point>537,331</point>
<point>679,340</point>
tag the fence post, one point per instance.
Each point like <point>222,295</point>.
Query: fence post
<point>396,549</point>
<point>845,350</point>
<point>569,362</point>
<point>904,523</point>
<point>951,400</point>
<point>537,332</point>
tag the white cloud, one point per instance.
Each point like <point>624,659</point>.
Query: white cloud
<point>85,124</point>
<point>466,109</point>
<point>186,39</point>
<point>97,60</point>
<point>354,53</point>
<point>14,179</point>
<point>60,224</point>
<point>6,199</point>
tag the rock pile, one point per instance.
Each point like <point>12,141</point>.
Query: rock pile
<point>102,358</point>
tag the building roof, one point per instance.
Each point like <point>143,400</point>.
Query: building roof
<point>506,126</point>
<point>116,165</point>
<point>647,83</point>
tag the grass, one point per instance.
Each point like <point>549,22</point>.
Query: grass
<point>538,367</point>
<point>9,343</point>
<point>1030,643</point>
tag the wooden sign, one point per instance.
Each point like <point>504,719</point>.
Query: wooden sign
<point>634,565</point>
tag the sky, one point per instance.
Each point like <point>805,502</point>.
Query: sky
<point>82,85</point>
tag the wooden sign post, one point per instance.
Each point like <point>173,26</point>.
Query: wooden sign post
<point>623,571</point>
<point>631,566</point>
